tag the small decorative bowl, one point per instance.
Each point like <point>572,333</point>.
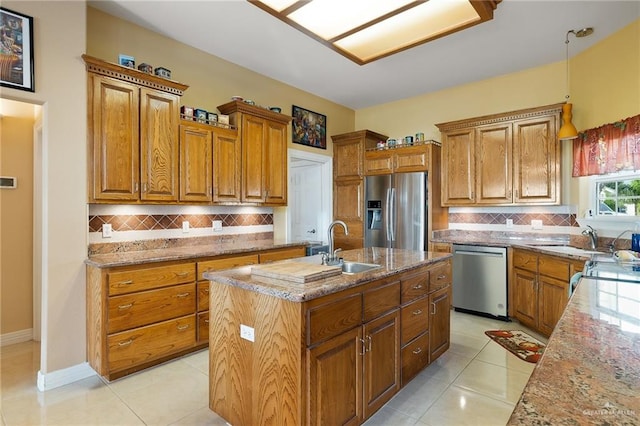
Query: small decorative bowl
<point>275,109</point>
<point>249,102</point>
<point>237,98</point>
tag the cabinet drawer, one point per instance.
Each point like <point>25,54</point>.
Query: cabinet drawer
<point>440,276</point>
<point>553,267</point>
<point>381,299</point>
<point>140,345</point>
<point>282,254</point>
<point>146,307</point>
<point>333,318</point>
<point>145,279</point>
<point>415,357</point>
<point>414,285</point>
<point>525,260</point>
<point>415,319</point>
<point>203,327</point>
<point>203,296</point>
<point>225,263</point>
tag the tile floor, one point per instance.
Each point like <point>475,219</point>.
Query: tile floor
<point>476,382</point>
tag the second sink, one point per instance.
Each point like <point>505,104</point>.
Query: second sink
<point>357,267</point>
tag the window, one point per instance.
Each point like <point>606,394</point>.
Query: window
<point>618,195</point>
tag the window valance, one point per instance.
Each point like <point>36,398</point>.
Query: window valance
<point>608,149</point>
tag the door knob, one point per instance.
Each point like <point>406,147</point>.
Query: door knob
<point>313,231</point>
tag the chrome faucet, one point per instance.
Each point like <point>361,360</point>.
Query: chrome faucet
<point>593,236</point>
<point>612,246</point>
<point>332,256</point>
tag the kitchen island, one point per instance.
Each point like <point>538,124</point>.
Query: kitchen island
<point>329,351</point>
<point>590,370</point>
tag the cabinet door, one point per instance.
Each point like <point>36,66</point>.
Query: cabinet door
<point>553,296</point>
<point>378,163</point>
<point>493,173</point>
<point>381,361</point>
<point>347,158</point>
<point>254,131</point>
<point>439,323</point>
<point>348,199</point>
<point>536,161</point>
<point>195,164</point>
<point>458,168</point>
<point>411,159</point>
<point>114,126</point>
<point>276,164</point>
<point>226,166</point>
<point>159,113</point>
<point>334,371</point>
<point>525,297</point>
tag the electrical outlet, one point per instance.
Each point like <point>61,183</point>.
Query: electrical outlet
<point>509,223</point>
<point>536,224</point>
<point>217,225</point>
<point>106,230</point>
<point>185,227</point>
<point>246,333</point>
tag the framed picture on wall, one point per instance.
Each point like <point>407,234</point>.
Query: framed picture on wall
<point>16,50</point>
<point>309,128</point>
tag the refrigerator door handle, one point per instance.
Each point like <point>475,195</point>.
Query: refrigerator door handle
<point>387,208</point>
<point>392,215</point>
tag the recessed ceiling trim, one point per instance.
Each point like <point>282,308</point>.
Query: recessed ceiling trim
<point>369,37</point>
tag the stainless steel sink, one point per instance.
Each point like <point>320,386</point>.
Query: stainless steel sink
<point>351,268</point>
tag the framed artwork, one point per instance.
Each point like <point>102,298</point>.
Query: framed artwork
<point>16,50</point>
<point>127,61</point>
<point>309,128</point>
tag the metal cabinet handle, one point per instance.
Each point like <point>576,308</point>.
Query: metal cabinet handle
<point>417,286</point>
<point>127,306</point>
<point>205,290</point>
<point>182,274</point>
<point>182,295</point>
<point>417,312</point>
<point>363,347</point>
<point>368,343</point>
<point>433,305</point>
<point>417,351</point>
<point>441,277</point>
<point>183,327</point>
<point>127,282</point>
<point>206,321</point>
<point>125,343</point>
<point>136,187</point>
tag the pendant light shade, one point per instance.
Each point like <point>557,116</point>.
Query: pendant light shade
<point>568,131</point>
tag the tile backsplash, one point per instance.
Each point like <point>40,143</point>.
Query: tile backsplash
<point>500,218</point>
<point>154,222</point>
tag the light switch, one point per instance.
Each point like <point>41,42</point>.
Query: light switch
<point>246,333</point>
<point>185,227</point>
<point>106,230</point>
<point>536,224</point>
<point>217,225</point>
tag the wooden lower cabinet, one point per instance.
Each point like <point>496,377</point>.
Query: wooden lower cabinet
<point>540,286</point>
<point>332,360</point>
<point>142,315</point>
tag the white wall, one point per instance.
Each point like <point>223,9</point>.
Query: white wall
<point>60,82</point>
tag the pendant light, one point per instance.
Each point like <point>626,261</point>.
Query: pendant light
<point>568,131</point>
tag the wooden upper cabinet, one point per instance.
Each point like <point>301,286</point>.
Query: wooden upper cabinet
<point>133,131</point>
<point>113,126</point>
<point>399,160</point>
<point>536,158</point>
<point>503,159</point>
<point>226,166</point>
<point>458,167</point>
<point>494,170</point>
<point>263,137</point>
<point>195,163</point>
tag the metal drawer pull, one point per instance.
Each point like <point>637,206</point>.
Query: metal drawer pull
<point>441,277</point>
<point>125,343</point>
<point>127,306</point>
<point>417,351</point>
<point>417,287</point>
<point>182,274</point>
<point>206,321</point>
<point>417,312</point>
<point>433,311</point>
<point>182,295</point>
<point>183,327</point>
<point>205,290</point>
<point>126,282</point>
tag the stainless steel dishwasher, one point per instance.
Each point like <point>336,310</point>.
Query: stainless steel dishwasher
<point>480,280</point>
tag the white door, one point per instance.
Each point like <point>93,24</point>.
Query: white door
<point>306,202</point>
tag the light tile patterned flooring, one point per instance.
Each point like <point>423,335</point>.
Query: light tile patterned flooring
<point>476,382</point>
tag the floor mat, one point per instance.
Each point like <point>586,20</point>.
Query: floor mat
<point>518,343</point>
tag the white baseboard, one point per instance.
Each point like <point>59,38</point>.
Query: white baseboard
<point>65,376</point>
<point>16,337</point>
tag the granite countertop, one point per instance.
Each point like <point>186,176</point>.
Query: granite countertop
<point>393,261</point>
<point>590,370</point>
<point>185,252</point>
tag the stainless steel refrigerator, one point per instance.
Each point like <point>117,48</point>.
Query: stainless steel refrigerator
<point>396,211</point>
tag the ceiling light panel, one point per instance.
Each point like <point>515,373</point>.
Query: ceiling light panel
<point>414,26</point>
<point>279,5</point>
<point>331,18</point>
